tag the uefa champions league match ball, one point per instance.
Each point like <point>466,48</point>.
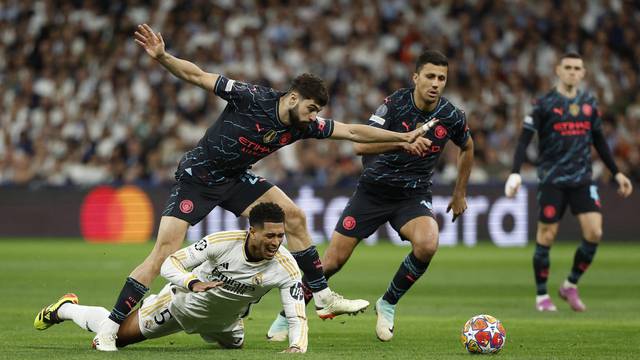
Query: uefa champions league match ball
<point>483,334</point>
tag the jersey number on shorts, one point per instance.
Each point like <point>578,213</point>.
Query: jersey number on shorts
<point>162,317</point>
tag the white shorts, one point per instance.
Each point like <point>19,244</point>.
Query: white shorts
<point>155,320</point>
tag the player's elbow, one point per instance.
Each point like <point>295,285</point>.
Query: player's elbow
<point>199,78</point>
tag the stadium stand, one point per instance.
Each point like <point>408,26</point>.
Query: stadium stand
<point>81,104</point>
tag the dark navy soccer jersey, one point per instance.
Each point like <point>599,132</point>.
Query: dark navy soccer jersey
<point>248,129</point>
<point>399,113</point>
<point>565,127</point>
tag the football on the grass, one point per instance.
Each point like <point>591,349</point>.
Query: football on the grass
<point>483,334</point>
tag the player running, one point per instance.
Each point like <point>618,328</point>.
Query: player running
<point>395,185</point>
<point>256,122</point>
<point>231,270</point>
<point>567,122</point>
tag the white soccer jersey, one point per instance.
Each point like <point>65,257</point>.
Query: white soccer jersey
<point>221,257</point>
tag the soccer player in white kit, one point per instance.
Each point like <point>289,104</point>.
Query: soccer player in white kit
<point>212,285</point>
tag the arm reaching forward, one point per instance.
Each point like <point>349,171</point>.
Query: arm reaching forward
<point>369,134</point>
<point>153,44</point>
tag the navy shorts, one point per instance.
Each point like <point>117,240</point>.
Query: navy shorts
<point>372,205</point>
<point>192,201</point>
<point>553,201</point>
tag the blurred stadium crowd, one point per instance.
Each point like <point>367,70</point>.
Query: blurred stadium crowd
<point>83,104</point>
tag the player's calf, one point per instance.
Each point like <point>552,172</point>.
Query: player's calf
<point>338,253</point>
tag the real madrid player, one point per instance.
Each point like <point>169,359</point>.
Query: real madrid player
<point>212,285</point>
<point>567,121</point>
<point>395,185</point>
<point>256,122</point>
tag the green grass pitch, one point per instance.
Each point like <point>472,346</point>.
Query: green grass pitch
<point>461,282</point>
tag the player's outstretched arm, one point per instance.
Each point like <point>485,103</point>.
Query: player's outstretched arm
<point>458,202</point>
<point>153,44</point>
<point>420,147</point>
<point>369,134</point>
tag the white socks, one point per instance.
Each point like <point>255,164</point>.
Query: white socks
<point>568,284</point>
<point>321,298</point>
<point>87,317</point>
<point>542,297</point>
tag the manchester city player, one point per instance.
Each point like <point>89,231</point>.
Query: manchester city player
<point>256,122</point>
<point>567,122</point>
<point>395,185</point>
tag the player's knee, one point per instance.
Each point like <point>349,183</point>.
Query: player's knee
<point>547,235</point>
<point>593,235</point>
<point>425,249</point>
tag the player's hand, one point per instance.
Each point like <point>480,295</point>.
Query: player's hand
<point>206,285</point>
<point>458,204</point>
<point>512,185</point>
<point>417,133</point>
<point>420,147</point>
<point>292,349</point>
<point>150,41</point>
<point>624,185</point>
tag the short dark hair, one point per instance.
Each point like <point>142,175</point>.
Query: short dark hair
<point>265,212</point>
<point>310,86</point>
<point>434,57</point>
<point>570,55</point>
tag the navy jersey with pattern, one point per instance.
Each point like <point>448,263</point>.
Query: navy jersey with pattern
<point>248,129</point>
<point>399,113</point>
<point>565,128</point>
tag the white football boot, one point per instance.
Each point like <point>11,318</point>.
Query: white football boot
<point>337,305</point>
<point>384,324</point>
<point>105,339</point>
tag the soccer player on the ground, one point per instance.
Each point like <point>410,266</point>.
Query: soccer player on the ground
<point>256,122</point>
<point>231,270</point>
<point>567,121</point>
<point>395,185</point>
